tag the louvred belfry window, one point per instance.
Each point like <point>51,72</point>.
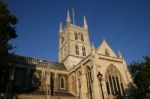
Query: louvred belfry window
<point>82,37</point>
<point>83,51</point>
<point>77,49</point>
<point>76,36</point>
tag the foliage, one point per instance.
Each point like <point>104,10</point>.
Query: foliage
<point>140,71</point>
<point>7,33</point>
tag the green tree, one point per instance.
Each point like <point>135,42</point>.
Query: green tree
<point>7,32</point>
<point>140,71</point>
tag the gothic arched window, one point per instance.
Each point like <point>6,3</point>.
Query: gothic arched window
<point>82,37</point>
<point>106,52</point>
<point>114,83</point>
<point>73,84</point>
<point>83,51</point>
<point>89,81</point>
<point>76,35</point>
<point>62,82</point>
<point>77,49</point>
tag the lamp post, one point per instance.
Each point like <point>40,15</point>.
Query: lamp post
<point>99,76</point>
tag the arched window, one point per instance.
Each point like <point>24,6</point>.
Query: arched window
<point>77,49</point>
<point>76,35</point>
<point>106,52</point>
<point>82,37</point>
<point>89,81</point>
<point>83,51</point>
<point>62,83</point>
<point>114,83</point>
<point>73,84</point>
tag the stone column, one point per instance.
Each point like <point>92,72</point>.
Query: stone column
<point>117,89</point>
<point>109,86</point>
<point>47,85</point>
<point>56,82</point>
<point>113,87</point>
<point>84,84</point>
<point>119,80</point>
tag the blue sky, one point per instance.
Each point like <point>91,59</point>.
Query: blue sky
<point>125,24</point>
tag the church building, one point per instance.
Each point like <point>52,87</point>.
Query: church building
<point>82,71</point>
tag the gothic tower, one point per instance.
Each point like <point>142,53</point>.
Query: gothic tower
<point>74,43</point>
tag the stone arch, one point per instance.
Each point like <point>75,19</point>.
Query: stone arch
<point>78,81</point>
<point>89,81</point>
<point>112,68</point>
<point>62,82</point>
<point>114,81</point>
<point>73,84</point>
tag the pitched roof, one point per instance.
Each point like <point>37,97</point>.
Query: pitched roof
<point>105,47</point>
<point>30,61</point>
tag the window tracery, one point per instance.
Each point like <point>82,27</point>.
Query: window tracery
<point>114,83</point>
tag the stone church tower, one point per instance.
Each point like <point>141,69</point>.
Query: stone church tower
<point>83,71</point>
<point>74,43</point>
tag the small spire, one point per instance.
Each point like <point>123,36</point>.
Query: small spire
<point>60,28</point>
<point>93,50</point>
<point>93,46</point>
<point>119,54</point>
<point>104,40</point>
<point>68,17</point>
<point>85,24</point>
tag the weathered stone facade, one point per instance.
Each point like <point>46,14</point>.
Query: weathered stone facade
<point>76,73</point>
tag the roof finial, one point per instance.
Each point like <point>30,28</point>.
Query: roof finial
<point>68,17</point>
<point>93,49</point>
<point>85,24</point>
<point>119,54</point>
<point>60,28</point>
<point>93,46</point>
<point>104,40</point>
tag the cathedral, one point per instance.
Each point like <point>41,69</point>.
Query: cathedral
<point>82,71</point>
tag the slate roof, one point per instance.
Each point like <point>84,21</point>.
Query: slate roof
<point>30,61</point>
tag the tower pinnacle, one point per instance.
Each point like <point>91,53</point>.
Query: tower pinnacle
<point>120,55</point>
<point>85,24</point>
<point>60,28</point>
<point>68,17</point>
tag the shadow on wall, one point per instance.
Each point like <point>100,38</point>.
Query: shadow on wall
<point>23,78</point>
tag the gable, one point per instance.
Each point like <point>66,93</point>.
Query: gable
<point>105,49</point>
